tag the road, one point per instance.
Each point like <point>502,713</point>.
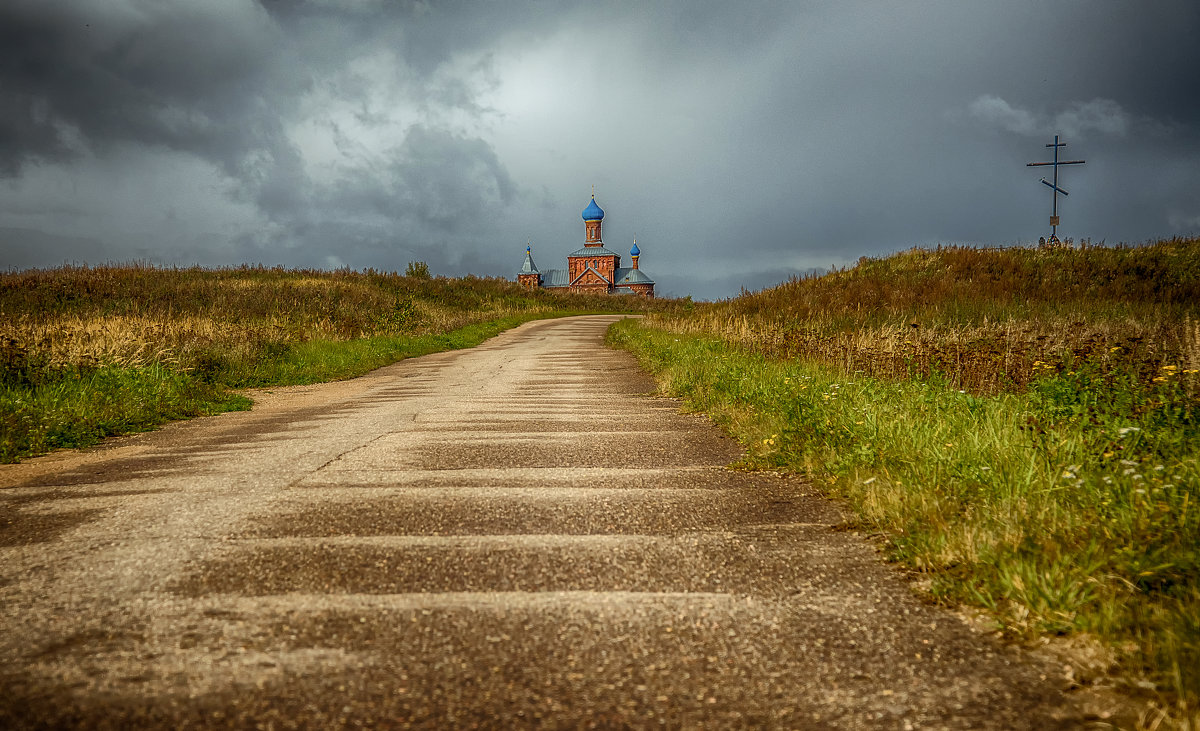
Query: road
<point>516,535</point>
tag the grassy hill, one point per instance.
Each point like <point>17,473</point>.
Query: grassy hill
<point>86,352</point>
<point>980,317</point>
<point>1021,426</point>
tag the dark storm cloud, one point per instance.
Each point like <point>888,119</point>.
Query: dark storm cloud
<point>186,76</point>
<point>222,81</point>
<point>742,142</point>
<point>434,190</point>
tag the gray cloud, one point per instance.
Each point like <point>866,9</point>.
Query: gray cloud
<point>994,110</point>
<point>741,142</point>
<point>1079,119</point>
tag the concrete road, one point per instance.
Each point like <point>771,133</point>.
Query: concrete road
<point>517,535</point>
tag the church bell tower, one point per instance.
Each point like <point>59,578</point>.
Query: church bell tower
<point>593,216</point>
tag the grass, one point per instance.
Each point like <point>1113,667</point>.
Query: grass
<point>1055,487</point>
<point>88,352</point>
<point>988,320</point>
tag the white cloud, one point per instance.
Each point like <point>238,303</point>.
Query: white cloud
<point>1104,116</point>
<point>996,111</point>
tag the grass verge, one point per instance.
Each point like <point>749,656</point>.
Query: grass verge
<point>1066,508</point>
<point>77,406</point>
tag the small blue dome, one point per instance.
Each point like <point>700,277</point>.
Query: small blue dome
<point>635,251</point>
<point>593,211</point>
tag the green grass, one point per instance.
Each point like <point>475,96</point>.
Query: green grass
<point>79,406</point>
<point>316,361</point>
<point>87,352</point>
<point>1069,507</point>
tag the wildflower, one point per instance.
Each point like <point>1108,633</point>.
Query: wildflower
<point>869,480</point>
<point>1129,463</point>
<point>1107,455</point>
<point>1126,431</point>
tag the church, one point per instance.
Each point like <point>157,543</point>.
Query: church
<point>592,268</point>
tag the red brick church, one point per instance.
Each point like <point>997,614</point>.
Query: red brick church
<point>592,268</point>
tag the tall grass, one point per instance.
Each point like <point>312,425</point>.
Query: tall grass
<point>986,319</point>
<point>90,351</point>
<point>1052,483</point>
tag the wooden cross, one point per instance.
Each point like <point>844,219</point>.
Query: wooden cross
<point>1054,185</point>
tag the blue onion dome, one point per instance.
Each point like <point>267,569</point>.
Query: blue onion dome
<point>593,212</point>
<point>635,251</point>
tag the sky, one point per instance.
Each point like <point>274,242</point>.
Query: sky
<point>741,143</point>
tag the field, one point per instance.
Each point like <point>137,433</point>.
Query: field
<point>1019,427</point>
<point>86,352</point>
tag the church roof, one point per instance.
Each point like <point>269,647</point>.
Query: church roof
<point>635,251</point>
<point>593,212</point>
<point>631,276</point>
<point>528,267</point>
<point>556,278</point>
<point>593,251</point>
<point>593,271</point>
